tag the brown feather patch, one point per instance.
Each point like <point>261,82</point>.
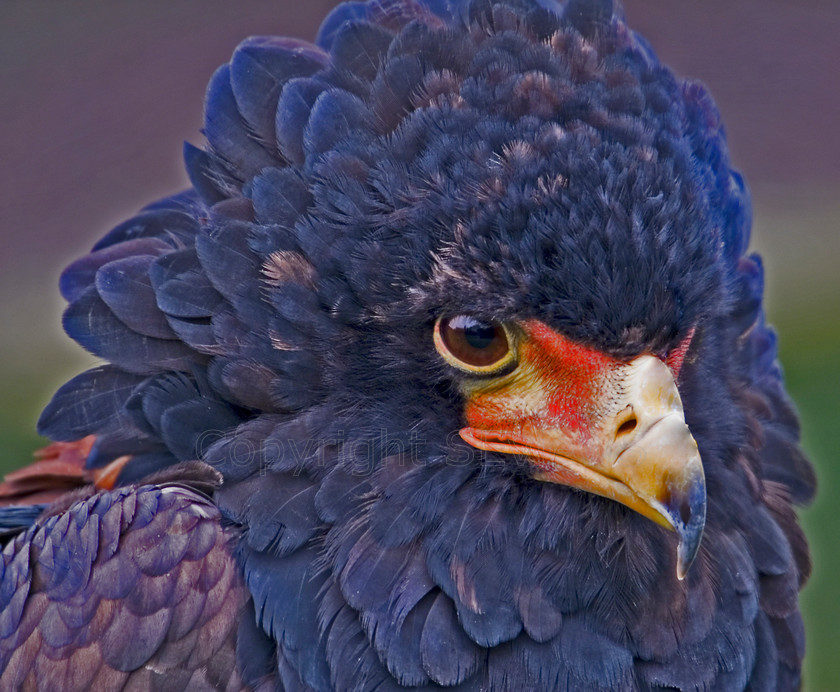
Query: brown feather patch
<point>285,266</point>
<point>58,468</point>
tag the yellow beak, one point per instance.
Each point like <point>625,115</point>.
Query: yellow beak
<point>594,423</point>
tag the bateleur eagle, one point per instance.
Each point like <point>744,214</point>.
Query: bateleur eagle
<point>450,371</point>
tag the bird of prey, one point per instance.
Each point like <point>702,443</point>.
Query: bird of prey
<point>449,372</point>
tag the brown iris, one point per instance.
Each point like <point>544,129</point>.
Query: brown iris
<point>473,344</point>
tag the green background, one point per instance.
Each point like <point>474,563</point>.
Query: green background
<point>96,98</point>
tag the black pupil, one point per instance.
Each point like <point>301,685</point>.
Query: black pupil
<point>479,335</point>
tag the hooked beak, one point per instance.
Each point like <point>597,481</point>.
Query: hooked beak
<point>590,422</point>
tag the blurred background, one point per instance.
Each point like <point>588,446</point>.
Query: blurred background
<point>96,98</point>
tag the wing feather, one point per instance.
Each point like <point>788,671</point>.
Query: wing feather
<point>135,587</point>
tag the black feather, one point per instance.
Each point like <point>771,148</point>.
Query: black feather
<point>228,133</point>
<point>125,287</point>
<point>96,328</point>
<point>80,275</point>
<point>89,403</point>
<point>258,70</point>
<point>181,287</point>
<point>449,656</point>
<point>293,110</point>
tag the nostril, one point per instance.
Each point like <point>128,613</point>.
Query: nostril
<point>627,426</point>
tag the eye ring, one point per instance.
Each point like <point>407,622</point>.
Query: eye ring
<point>474,345</point>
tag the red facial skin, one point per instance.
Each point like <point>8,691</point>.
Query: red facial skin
<point>563,382</point>
<point>676,357</point>
<point>598,424</point>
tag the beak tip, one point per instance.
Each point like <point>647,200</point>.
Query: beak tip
<point>686,552</point>
<point>689,520</point>
<point>689,545</point>
<point>685,557</point>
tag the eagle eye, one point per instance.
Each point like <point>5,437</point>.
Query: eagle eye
<point>473,344</point>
